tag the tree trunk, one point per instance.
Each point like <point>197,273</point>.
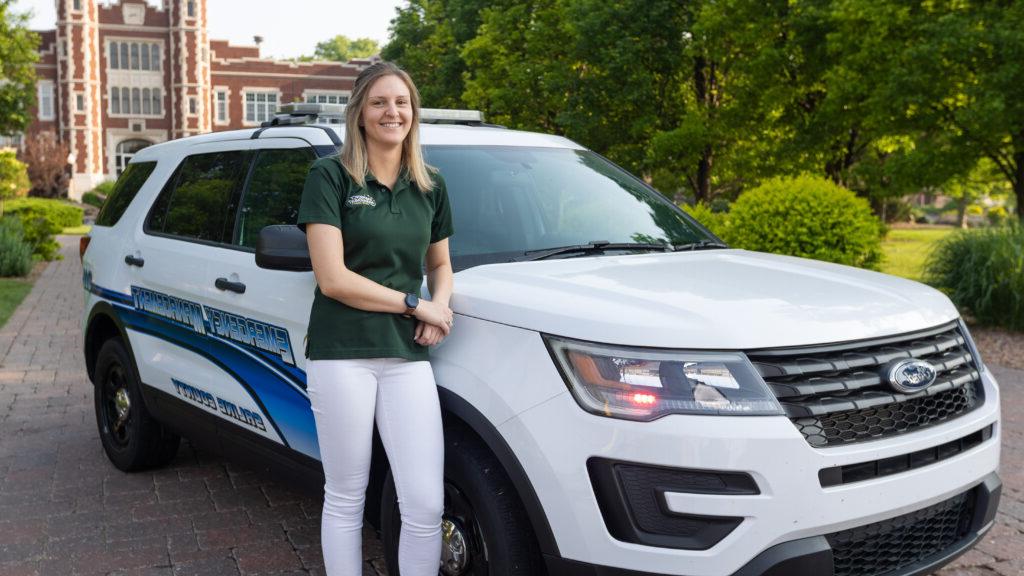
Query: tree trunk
<point>703,191</point>
<point>961,212</point>
<point>1018,182</point>
<point>705,84</point>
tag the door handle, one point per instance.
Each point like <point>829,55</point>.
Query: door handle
<point>225,284</point>
<point>134,261</point>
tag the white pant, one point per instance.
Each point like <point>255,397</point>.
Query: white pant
<point>346,394</point>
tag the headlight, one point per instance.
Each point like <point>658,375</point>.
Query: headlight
<point>645,384</point>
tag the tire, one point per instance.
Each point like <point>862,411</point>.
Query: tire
<point>481,509</point>
<point>132,439</point>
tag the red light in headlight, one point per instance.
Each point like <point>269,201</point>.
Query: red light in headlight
<point>644,399</point>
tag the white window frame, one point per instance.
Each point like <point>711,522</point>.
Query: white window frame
<point>338,94</point>
<point>45,87</point>
<point>124,45</point>
<point>265,108</point>
<point>217,91</point>
<point>125,111</point>
<point>80,5</point>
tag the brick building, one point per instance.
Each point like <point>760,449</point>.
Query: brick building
<point>114,77</point>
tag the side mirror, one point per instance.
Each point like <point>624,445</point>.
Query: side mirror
<point>283,247</point>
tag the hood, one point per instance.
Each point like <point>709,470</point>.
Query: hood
<point>714,299</point>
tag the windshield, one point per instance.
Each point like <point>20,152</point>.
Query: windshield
<point>507,201</point>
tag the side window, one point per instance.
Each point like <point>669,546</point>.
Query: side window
<point>274,192</point>
<point>125,189</point>
<point>200,201</point>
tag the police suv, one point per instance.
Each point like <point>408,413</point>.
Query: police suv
<point>623,394</point>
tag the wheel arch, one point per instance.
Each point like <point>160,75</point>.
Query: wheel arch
<point>455,410</point>
<point>103,324</point>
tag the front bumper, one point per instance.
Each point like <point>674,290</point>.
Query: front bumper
<point>813,556</point>
<point>783,525</point>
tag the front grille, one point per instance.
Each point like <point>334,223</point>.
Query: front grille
<point>837,394</point>
<point>885,547</point>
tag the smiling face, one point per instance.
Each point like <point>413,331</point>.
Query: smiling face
<point>387,114</point>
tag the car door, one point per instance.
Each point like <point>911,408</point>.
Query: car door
<point>258,317</point>
<point>168,258</point>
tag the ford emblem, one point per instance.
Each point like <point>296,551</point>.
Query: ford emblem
<point>910,375</point>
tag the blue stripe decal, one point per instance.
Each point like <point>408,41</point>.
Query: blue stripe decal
<point>276,387</point>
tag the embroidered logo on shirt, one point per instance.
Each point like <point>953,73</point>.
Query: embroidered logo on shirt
<point>361,200</point>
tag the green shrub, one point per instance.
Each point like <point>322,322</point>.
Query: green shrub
<point>982,271</point>
<point>59,212</point>
<point>93,199</point>
<point>997,215</point>
<point>808,217</point>
<point>13,178</point>
<point>15,252</point>
<point>717,222</point>
<point>42,218</point>
<point>104,188</point>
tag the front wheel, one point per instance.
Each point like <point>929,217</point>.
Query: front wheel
<point>132,439</point>
<point>484,529</point>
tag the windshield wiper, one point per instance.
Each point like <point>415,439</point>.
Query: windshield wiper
<point>699,245</point>
<point>597,246</point>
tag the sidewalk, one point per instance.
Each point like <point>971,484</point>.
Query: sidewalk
<point>65,510</point>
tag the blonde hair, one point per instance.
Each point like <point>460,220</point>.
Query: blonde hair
<point>354,155</point>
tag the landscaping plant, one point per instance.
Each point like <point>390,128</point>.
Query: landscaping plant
<point>982,271</point>
<point>15,252</point>
<point>809,217</point>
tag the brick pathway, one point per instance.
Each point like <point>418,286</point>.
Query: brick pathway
<point>65,510</point>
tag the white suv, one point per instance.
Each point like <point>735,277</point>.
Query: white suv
<point>623,394</point>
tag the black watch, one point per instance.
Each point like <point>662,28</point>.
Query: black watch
<point>411,302</point>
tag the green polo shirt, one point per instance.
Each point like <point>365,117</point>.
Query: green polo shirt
<point>386,234</point>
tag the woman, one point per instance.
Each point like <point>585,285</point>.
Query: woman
<point>371,217</point>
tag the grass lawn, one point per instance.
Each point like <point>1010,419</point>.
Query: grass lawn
<point>906,249</point>
<point>12,292</point>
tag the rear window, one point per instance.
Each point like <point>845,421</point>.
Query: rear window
<point>127,186</point>
<point>200,202</point>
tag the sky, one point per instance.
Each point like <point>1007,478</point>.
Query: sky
<point>284,35</point>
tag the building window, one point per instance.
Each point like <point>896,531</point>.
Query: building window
<point>136,101</point>
<point>326,98</point>
<point>190,8</point>
<point>221,107</point>
<point>80,102</point>
<point>147,102</point>
<point>134,56</point>
<point>115,100</point>
<point>192,106</point>
<point>260,106</point>
<point>76,5</point>
<point>124,152</point>
<point>157,102</point>
<point>45,95</point>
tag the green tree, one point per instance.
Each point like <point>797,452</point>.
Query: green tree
<point>18,54</point>
<point>342,49</point>
<point>427,39</point>
<point>520,68</point>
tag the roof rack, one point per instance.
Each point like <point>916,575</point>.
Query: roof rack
<point>310,113</point>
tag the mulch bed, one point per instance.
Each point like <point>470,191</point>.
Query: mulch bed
<point>999,346</point>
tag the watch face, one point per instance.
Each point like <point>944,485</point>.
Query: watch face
<point>411,300</point>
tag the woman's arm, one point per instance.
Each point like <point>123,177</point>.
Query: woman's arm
<point>439,272</point>
<point>439,281</point>
<point>327,252</point>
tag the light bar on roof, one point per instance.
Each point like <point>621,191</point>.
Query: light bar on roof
<point>446,114</point>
